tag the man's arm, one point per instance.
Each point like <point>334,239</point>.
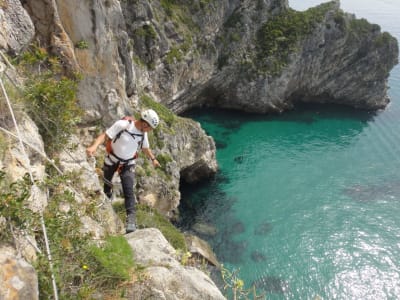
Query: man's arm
<point>151,156</point>
<point>98,141</point>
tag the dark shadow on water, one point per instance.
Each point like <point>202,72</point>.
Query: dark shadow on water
<point>220,144</point>
<point>307,113</point>
<point>222,124</point>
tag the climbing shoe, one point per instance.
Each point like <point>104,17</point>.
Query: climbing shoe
<point>130,224</point>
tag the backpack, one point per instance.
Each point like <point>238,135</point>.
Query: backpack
<point>133,135</point>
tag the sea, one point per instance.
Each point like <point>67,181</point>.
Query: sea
<point>306,204</point>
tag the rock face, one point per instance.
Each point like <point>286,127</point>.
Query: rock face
<point>166,277</point>
<point>340,59</point>
<point>16,27</point>
<point>18,278</point>
<point>189,154</point>
<point>217,57</point>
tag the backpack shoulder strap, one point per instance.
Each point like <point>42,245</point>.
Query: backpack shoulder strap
<point>130,120</point>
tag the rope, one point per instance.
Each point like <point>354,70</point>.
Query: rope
<point>32,180</point>
<point>35,149</point>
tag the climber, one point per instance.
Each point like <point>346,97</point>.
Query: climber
<point>123,141</point>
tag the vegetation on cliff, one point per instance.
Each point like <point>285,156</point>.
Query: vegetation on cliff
<point>279,37</point>
<point>49,97</point>
<point>82,266</point>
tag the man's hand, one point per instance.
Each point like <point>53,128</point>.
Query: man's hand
<point>91,150</point>
<point>156,163</point>
<point>99,140</point>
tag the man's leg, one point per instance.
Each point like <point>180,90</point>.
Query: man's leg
<point>128,180</point>
<point>108,173</point>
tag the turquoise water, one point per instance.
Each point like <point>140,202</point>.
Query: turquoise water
<point>307,203</point>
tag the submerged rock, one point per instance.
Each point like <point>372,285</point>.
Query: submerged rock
<point>258,256</point>
<point>374,192</point>
<point>263,229</point>
<point>271,284</point>
<point>204,229</point>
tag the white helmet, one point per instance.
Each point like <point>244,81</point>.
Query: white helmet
<point>151,117</point>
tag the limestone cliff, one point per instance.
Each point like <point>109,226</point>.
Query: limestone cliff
<point>320,55</point>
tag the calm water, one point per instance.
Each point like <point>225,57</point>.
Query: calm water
<point>307,204</point>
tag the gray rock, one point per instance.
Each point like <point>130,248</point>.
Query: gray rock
<point>18,279</point>
<point>166,277</point>
<point>16,27</point>
<point>202,248</point>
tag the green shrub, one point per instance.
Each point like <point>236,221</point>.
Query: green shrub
<point>146,31</point>
<point>115,258</point>
<point>52,104</point>
<point>82,45</point>
<point>81,267</point>
<point>278,37</point>
<point>234,287</point>
<point>164,159</point>
<point>174,54</point>
<point>14,206</point>
<point>49,96</point>
<point>383,39</point>
<point>362,26</point>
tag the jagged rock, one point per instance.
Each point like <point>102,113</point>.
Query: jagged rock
<point>192,156</point>
<point>333,63</point>
<point>342,60</point>
<point>200,247</point>
<point>73,159</point>
<point>37,201</point>
<point>106,62</point>
<point>16,27</point>
<point>51,31</point>
<point>15,163</point>
<point>166,277</point>
<point>18,279</point>
<point>27,245</point>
